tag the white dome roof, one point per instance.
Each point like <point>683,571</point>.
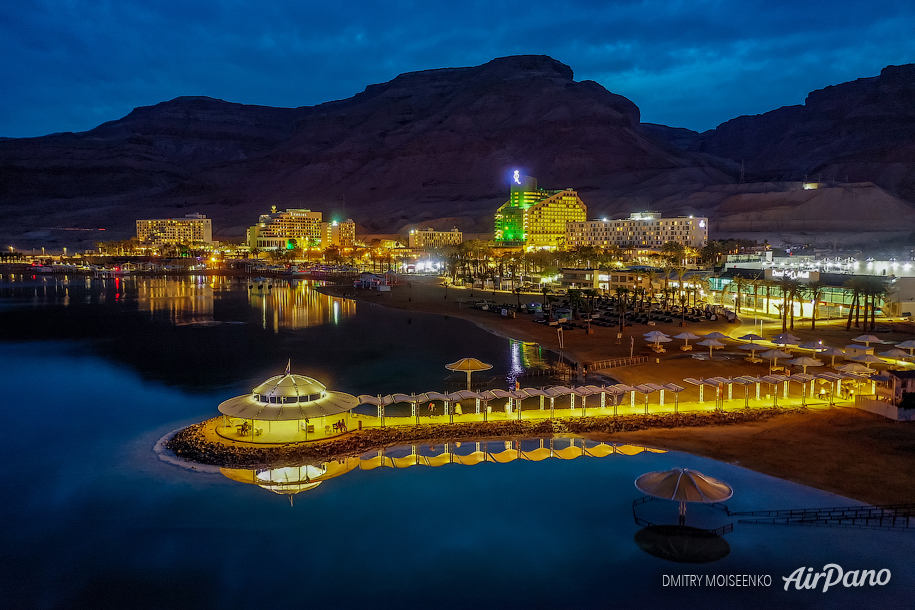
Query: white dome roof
<point>288,397</point>
<point>291,385</point>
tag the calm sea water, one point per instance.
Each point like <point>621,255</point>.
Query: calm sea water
<point>95,372</point>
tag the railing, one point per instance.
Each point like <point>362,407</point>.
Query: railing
<point>616,362</point>
<point>889,516</point>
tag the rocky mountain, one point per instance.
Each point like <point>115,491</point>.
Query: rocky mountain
<point>426,146</point>
<point>435,148</point>
<point>859,131</point>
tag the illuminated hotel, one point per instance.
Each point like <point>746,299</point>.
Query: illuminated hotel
<point>339,234</point>
<point>535,218</point>
<point>193,228</point>
<point>299,227</point>
<point>428,239</point>
<point>286,230</point>
<point>641,229</point>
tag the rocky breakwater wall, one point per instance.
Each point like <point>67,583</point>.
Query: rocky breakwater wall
<point>195,444</point>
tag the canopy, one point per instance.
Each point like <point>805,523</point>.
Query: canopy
<point>751,337</point>
<point>288,397</point>
<point>716,335</point>
<point>683,485</point>
<point>867,359</point>
<point>814,345</point>
<point>710,343</point>
<point>804,361</point>
<point>854,367</point>
<point>753,347</point>
<point>909,345</point>
<point>786,338</point>
<point>867,339</point>
<point>896,354</point>
<point>468,365</point>
<point>775,354</point>
<point>656,335</point>
<point>832,351</point>
<point>687,336</point>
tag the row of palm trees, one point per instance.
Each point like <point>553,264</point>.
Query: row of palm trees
<point>868,293</point>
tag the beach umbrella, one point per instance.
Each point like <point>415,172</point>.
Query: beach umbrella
<point>753,347</point>
<point>683,485</point>
<point>786,338</point>
<point>469,366</point>
<point>774,354</point>
<point>832,351</point>
<point>895,354</point>
<point>751,337</point>
<point>867,359</point>
<point>867,339</point>
<point>654,335</point>
<point>804,361</point>
<point>909,345</point>
<point>686,337</point>
<point>816,346</point>
<point>715,335</point>
<point>710,344</point>
<point>658,340</point>
<point>855,369</point>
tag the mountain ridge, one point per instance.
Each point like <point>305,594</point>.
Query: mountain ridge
<point>426,147</point>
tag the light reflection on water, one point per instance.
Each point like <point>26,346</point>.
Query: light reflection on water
<point>95,519</point>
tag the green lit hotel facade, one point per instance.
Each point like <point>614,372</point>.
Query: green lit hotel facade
<point>535,218</point>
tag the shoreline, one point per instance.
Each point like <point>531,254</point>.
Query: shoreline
<point>831,450</point>
<point>201,444</point>
<point>840,449</point>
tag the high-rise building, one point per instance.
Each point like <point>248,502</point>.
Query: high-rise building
<point>286,230</point>
<point>536,218</point>
<point>339,234</point>
<point>193,228</point>
<point>429,239</point>
<point>640,230</point>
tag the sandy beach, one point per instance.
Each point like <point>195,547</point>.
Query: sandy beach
<point>840,449</point>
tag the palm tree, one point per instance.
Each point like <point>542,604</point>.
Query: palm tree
<point>738,288</point>
<point>681,273</point>
<point>814,290</point>
<point>855,284</point>
<point>785,287</point>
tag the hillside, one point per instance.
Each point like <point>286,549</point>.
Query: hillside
<point>435,148</point>
<point>428,145</point>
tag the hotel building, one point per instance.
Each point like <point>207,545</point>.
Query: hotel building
<point>338,234</point>
<point>640,230</point>
<point>429,239</point>
<point>286,230</point>
<point>535,218</point>
<point>193,228</point>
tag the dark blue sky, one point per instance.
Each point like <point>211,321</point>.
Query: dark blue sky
<point>68,65</point>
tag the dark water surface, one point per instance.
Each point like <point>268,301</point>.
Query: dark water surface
<point>95,372</point>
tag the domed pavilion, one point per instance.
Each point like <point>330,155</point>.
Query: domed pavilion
<point>285,409</point>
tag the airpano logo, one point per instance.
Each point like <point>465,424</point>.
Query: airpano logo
<point>833,575</point>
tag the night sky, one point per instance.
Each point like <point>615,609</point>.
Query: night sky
<point>69,65</point>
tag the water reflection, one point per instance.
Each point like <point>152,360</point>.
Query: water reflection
<point>181,302</point>
<point>682,543</point>
<point>290,480</point>
<point>296,305</point>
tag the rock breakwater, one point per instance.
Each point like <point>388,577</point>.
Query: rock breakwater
<point>198,442</point>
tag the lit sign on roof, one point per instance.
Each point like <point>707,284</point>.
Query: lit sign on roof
<point>517,176</point>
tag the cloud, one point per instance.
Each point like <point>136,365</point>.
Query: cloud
<point>76,63</point>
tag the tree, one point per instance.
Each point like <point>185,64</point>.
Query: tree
<point>738,289</point>
<point>815,289</point>
<point>855,284</point>
<point>673,252</point>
